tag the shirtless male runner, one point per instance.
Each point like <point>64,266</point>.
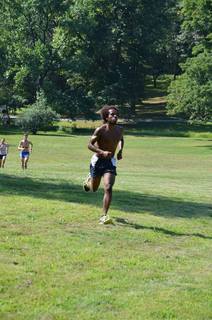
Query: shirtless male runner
<point>25,146</point>
<point>104,142</point>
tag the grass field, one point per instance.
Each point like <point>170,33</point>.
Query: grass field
<point>154,263</point>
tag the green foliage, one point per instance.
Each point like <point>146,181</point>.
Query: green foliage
<point>197,17</point>
<point>27,30</point>
<point>108,42</point>
<point>83,54</point>
<point>38,116</point>
<point>191,93</point>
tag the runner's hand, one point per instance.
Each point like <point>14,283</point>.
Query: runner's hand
<point>119,155</point>
<point>106,154</point>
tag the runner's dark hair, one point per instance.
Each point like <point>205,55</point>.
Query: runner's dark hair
<point>105,111</point>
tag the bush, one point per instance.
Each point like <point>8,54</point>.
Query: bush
<point>39,116</point>
<point>70,128</point>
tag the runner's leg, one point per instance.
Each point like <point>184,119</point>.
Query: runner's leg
<point>3,161</point>
<point>94,183</point>
<point>22,162</point>
<point>26,159</point>
<point>109,180</point>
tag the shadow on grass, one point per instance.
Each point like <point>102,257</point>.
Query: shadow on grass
<point>153,128</point>
<point>52,134</point>
<point>10,130</point>
<point>167,129</point>
<point>122,200</point>
<point>136,226</point>
<point>17,131</point>
<point>206,147</point>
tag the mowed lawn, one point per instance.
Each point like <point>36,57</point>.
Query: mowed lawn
<point>58,263</point>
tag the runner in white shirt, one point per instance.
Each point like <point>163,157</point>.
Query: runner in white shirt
<point>4,147</point>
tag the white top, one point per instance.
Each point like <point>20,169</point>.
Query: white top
<point>3,148</point>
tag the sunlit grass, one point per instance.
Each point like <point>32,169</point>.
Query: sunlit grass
<point>57,262</point>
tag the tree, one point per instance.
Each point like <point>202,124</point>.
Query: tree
<point>27,32</point>
<point>108,42</point>
<point>32,38</point>
<point>84,53</point>
<point>165,51</point>
<point>191,93</point>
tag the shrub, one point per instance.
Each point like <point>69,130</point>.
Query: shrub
<point>38,116</point>
<point>70,128</point>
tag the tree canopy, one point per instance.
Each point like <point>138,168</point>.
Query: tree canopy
<point>191,94</point>
<point>84,53</point>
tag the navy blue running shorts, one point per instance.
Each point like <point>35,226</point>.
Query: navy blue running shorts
<point>100,166</point>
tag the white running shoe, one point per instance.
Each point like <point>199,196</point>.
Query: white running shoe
<point>85,183</point>
<point>105,220</point>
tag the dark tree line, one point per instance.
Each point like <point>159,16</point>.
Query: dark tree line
<point>84,53</point>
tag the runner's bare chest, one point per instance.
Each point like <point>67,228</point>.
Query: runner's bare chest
<point>25,144</point>
<point>109,139</point>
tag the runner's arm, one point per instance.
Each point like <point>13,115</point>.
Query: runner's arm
<point>31,146</point>
<point>120,146</point>
<point>20,146</point>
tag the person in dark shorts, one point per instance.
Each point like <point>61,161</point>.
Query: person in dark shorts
<point>4,147</point>
<point>104,143</point>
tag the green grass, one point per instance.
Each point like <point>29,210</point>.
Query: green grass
<point>153,263</point>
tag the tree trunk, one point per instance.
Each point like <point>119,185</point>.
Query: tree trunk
<point>155,81</point>
<point>132,108</point>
